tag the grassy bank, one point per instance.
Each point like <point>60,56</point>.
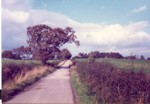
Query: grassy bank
<point>80,89</point>
<point>18,74</point>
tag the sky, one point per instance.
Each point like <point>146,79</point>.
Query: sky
<point>103,25</point>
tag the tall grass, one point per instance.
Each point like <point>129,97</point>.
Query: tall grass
<point>11,68</point>
<point>80,90</point>
<point>17,74</point>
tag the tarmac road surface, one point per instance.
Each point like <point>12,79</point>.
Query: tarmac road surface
<point>52,89</point>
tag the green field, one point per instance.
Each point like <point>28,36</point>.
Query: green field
<point>126,64</point>
<point>6,62</point>
<point>21,63</point>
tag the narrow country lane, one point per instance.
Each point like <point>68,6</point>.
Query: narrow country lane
<point>52,89</point>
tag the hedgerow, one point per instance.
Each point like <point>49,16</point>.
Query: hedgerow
<point>18,74</point>
<point>10,68</point>
<point>111,85</point>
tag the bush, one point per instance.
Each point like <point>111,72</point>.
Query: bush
<point>10,68</point>
<point>111,85</point>
<point>16,75</point>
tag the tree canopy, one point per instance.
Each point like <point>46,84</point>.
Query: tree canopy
<point>65,54</point>
<point>21,51</point>
<point>44,40</point>
<point>9,54</point>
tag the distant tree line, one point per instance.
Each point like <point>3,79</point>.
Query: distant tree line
<point>9,54</point>
<point>116,55</point>
<point>25,53</point>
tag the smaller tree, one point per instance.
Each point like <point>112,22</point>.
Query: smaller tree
<point>91,58</point>
<point>148,58</point>
<point>96,54</point>
<point>7,54</point>
<point>65,54</point>
<point>142,57</point>
<point>16,57</point>
<point>24,52</point>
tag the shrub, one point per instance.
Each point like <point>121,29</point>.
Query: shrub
<point>10,68</point>
<point>111,85</point>
<point>16,75</point>
<point>91,58</point>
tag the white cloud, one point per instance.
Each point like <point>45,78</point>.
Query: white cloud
<point>9,2</point>
<point>139,9</point>
<point>50,18</point>
<point>17,4</point>
<point>17,16</point>
<point>103,37</point>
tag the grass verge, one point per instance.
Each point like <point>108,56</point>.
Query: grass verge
<point>80,90</point>
<point>22,80</point>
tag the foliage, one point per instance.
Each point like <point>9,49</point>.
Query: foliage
<point>23,51</point>
<point>65,54</point>
<point>142,57</point>
<point>17,74</point>
<point>111,85</point>
<point>115,55</point>
<point>98,54</point>
<point>80,90</point>
<point>91,58</point>
<point>9,54</point>
<point>44,40</point>
<point>10,68</point>
<point>16,85</point>
<point>148,58</point>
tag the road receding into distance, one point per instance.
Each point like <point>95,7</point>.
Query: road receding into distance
<point>52,89</point>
